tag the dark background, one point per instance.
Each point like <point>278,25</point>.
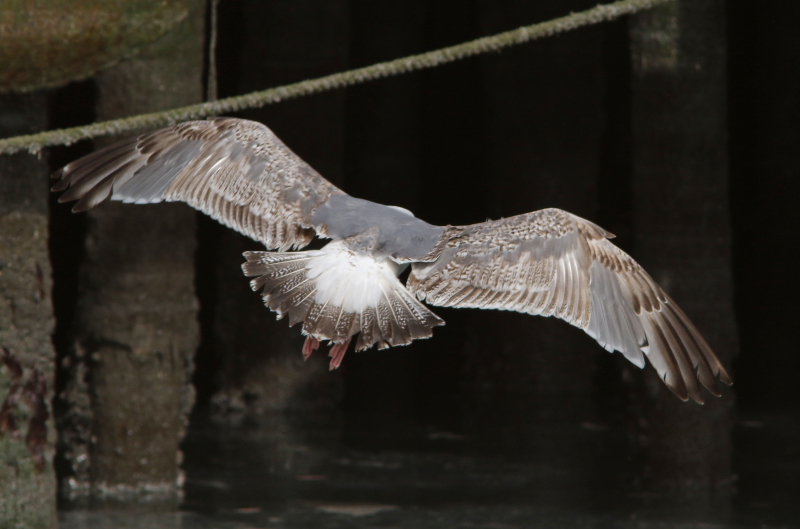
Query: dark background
<point>564,122</point>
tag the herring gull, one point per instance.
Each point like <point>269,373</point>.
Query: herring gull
<point>547,263</point>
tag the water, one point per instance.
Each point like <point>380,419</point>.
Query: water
<point>281,472</point>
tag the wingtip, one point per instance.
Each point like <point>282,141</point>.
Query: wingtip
<point>677,387</point>
<point>61,184</point>
<point>724,377</point>
<point>714,389</point>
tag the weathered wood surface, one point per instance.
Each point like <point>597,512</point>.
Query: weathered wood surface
<point>681,224</point>
<point>260,365</point>
<point>129,395</point>
<point>544,123</point>
<point>44,44</point>
<point>27,358</point>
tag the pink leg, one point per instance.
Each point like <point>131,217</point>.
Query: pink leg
<point>337,353</point>
<point>310,346</point>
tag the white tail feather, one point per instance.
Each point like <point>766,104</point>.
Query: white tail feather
<point>338,292</point>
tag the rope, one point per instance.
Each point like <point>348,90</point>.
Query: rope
<point>34,143</point>
<point>211,81</point>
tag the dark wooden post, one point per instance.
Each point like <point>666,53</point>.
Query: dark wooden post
<point>530,378</point>
<point>130,392</point>
<point>260,366</point>
<point>682,228</point>
<point>765,171</point>
<point>27,359</point>
<point>383,164</point>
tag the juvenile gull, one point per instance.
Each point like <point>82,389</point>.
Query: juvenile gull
<point>547,263</point>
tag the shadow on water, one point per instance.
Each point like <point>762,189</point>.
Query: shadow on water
<point>290,472</point>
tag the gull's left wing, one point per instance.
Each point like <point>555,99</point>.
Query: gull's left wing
<point>552,263</point>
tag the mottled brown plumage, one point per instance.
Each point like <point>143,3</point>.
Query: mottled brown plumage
<point>552,263</point>
<point>236,171</point>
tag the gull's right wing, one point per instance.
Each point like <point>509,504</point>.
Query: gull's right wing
<point>234,170</point>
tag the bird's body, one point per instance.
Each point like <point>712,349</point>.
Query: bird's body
<point>547,262</point>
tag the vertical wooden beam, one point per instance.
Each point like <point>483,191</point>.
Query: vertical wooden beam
<point>682,228</point>
<point>383,164</point>
<point>765,174</point>
<point>27,359</point>
<point>384,118</point>
<point>137,313</point>
<point>529,377</point>
<point>261,369</point>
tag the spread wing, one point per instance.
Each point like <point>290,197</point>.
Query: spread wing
<point>234,170</point>
<point>552,263</point>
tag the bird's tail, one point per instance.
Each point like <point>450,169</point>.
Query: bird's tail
<point>338,294</point>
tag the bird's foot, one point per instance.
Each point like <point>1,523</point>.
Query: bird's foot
<point>311,345</point>
<point>337,353</point>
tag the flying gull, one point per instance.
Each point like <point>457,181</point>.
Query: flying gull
<point>547,263</point>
